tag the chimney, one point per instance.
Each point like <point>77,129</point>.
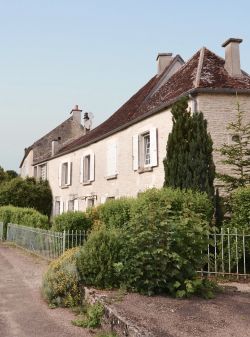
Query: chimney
<point>77,114</point>
<point>232,57</point>
<point>163,60</point>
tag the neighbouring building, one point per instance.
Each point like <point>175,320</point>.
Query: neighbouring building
<point>124,155</point>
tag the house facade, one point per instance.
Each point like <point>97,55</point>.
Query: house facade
<point>124,155</point>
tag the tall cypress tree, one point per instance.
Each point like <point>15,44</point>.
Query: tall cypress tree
<point>189,161</point>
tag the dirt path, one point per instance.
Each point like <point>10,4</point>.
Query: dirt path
<point>22,311</point>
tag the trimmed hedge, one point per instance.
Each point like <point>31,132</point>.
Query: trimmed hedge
<point>61,285</point>
<point>240,208</point>
<point>71,221</point>
<point>112,214</point>
<point>23,216</point>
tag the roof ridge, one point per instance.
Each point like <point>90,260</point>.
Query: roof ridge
<point>199,67</point>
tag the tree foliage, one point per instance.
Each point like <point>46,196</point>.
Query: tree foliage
<point>27,193</point>
<point>237,154</point>
<point>189,161</point>
<point>7,175</point>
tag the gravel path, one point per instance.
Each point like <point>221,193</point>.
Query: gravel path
<point>23,313</point>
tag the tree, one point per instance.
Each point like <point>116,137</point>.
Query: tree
<point>27,193</point>
<point>237,154</point>
<point>189,161</point>
<point>7,175</point>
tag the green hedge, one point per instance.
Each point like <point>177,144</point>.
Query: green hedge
<point>61,285</point>
<point>27,193</point>
<point>23,216</point>
<point>71,221</point>
<point>158,249</point>
<point>240,208</point>
<point>112,214</point>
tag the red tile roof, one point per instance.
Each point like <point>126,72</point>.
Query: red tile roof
<point>204,70</point>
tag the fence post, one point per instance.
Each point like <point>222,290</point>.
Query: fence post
<point>64,240</point>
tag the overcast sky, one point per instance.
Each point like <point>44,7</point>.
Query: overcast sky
<point>58,53</point>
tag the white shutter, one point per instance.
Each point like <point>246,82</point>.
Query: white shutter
<point>135,152</point>
<point>76,205</point>
<point>60,175</point>
<point>66,205</point>
<point>103,199</point>
<point>153,147</point>
<point>111,159</point>
<point>81,170</point>
<point>61,206</point>
<point>92,167</point>
<point>69,173</point>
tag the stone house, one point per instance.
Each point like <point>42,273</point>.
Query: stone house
<point>124,155</point>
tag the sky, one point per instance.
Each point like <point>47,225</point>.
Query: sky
<point>97,54</point>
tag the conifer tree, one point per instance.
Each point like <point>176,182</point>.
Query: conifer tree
<point>189,161</point>
<point>237,153</point>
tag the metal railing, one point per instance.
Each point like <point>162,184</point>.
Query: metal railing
<point>1,231</point>
<point>47,244</point>
<point>228,254</point>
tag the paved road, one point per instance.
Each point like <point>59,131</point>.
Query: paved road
<point>22,311</point>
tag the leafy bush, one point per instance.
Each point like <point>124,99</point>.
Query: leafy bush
<point>113,214</point>
<point>93,318</point>
<point>23,216</point>
<point>163,256</point>
<point>61,286</point>
<point>27,193</point>
<point>240,207</point>
<point>71,221</point>
<point>98,257</point>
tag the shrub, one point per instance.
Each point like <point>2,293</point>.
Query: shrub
<point>23,216</point>
<point>61,285</point>
<point>27,193</point>
<point>113,214</point>
<point>163,256</point>
<point>98,257</point>
<point>71,221</point>
<point>93,318</point>
<point>240,207</point>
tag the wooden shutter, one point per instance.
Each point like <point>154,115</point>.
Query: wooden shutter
<point>60,175</point>
<point>103,199</point>
<point>81,170</point>
<point>153,147</point>
<point>69,173</point>
<point>135,152</point>
<point>61,206</point>
<point>76,205</point>
<point>66,205</point>
<point>92,167</point>
<point>111,159</point>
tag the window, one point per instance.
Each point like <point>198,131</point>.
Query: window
<point>65,174</point>
<point>59,206</point>
<point>87,169</point>
<point>145,150</point>
<point>235,138</point>
<point>90,202</point>
<point>40,171</point>
<point>70,205</point>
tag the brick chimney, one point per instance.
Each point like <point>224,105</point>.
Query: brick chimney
<point>232,57</point>
<point>163,60</point>
<point>77,114</point>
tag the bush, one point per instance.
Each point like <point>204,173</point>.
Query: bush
<point>113,214</point>
<point>98,258</point>
<point>61,286</point>
<point>27,193</point>
<point>163,256</point>
<point>93,317</point>
<point>23,216</point>
<point>71,221</point>
<point>240,208</point>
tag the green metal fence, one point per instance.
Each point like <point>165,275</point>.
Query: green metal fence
<point>1,231</point>
<point>42,242</point>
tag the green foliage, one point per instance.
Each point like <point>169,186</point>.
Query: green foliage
<point>27,193</point>
<point>7,175</point>
<point>23,216</point>
<point>61,286</point>
<point>240,207</point>
<point>98,258</point>
<point>113,214</point>
<point>71,221</point>
<point>237,154</point>
<point>159,255</point>
<point>189,161</point>
<point>106,334</point>
<point>93,317</point>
